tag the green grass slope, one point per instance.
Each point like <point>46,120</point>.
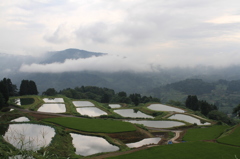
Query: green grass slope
<point>93,125</point>
<point>208,133</point>
<point>233,138</point>
<point>190,150</point>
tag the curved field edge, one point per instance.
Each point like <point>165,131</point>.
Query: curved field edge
<point>92,125</point>
<point>232,137</point>
<point>205,133</point>
<point>196,150</point>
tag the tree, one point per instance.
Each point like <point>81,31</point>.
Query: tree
<point>192,102</point>
<point>50,92</point>
<point>4,91</point>
<point>12,89</point>
<point>2,101</point>
<point>28,88</point>
<point>105,98</point>
<point>32,88</point>
<point>220,116</point>
<point>236,110</point>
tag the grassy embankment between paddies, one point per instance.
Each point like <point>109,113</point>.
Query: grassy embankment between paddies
<point>232,137</point>
<point>92,125</point>
<point>208,133</point>
<point>188,150</point>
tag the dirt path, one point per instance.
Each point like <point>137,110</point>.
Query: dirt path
<point>177,135</point>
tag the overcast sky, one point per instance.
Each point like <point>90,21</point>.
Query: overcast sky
<point>160,32</point>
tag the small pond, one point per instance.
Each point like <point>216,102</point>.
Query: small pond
<point>91,111</point>
<point>83,104</point>
<point>188,119</point>
<point>24,101</point>
<point>88,145</point>
<point>53,108</point>
<point>53,100</point>
<point>20,119</point>
<point>157,123</point>
<point>114,105</point>
<point>29,136</point>
<point>147,141</point>
<point>132,113</point>
<point>161,107</point>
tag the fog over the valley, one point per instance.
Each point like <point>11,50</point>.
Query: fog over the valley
<point>113,63</point>
<point>138,36</point>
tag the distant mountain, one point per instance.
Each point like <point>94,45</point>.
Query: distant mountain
<point>61,56</point>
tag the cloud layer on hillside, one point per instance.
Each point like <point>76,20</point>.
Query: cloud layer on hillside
<point>157,32</point>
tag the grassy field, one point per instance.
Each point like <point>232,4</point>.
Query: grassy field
<point>233,138</point>
<point>93,125</point>
<point>189,150</point>
<point>209,133</point>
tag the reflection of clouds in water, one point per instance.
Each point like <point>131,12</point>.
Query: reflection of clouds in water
<point>53,100</point>
<point>53,108</point>
<point>29,136</point>
<point>131,113</point>
<point>188,119</point>
<point>83,103</point>
<point>20,119</point>
<point>88,145</point>
<point>144,142</point>
<point>157,124</point>
<point>161,107</point>
<point>93,111</point>
<point>114,105</point>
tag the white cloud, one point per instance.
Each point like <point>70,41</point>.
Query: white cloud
<point>109,63</point>
<point>143,30</point>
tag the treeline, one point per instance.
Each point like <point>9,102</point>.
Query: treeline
<point>192,86</point>
<point>7,89</point>
<point>103,95</point>
<point>209,110</point>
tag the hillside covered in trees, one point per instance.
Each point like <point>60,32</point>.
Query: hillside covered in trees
<point>224,94</point>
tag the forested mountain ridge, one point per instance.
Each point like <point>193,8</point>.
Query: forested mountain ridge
<point>224,94</point>
<point>61,56</point>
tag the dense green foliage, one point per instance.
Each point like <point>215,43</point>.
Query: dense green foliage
<point>194,104</point>
<point>208,133</point>
<point>105,95</point>
<point>233,138</point>
<point>28,87</point>
<point>192,86</point>
<point>50,92</point>
<point>224,94</point>
<point>189,150</point>
<point>220,117</point>
<point>93,125</point>
<point>7,89</point>
<point>236,110</point>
